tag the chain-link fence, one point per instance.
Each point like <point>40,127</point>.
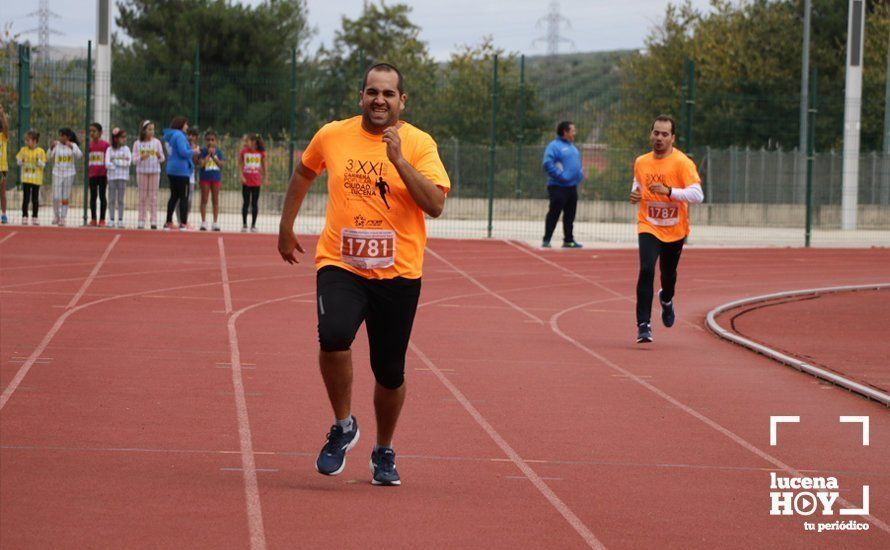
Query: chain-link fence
<point>744,146</point>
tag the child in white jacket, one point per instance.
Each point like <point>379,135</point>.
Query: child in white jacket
<point>117,162</point>
<point>64,154</point>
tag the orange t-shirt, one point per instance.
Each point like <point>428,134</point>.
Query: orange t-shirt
<point>659,215</point>
<point>373,227</point>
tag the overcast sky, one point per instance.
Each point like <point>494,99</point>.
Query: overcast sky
<point>594,25</point>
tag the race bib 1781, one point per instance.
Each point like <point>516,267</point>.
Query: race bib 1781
<point>368,249</point>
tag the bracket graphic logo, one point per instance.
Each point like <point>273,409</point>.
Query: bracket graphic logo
<point>805,496</point>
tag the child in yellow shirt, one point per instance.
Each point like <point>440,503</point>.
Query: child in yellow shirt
<point>31,159</point>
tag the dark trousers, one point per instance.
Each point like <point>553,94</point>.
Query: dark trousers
<point>563,200</point>
<point>179,188</point>
<point>668,255</point>
<point>98,184</point>
<point>30,193</point>
<point>251,195</point>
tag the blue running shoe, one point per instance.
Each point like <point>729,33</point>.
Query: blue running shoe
<point>545,244</point>
<point>644,333</point>
<point>667,311</point>
<point>572,244</point>
<point>332,458</point>
<point>383,467</point>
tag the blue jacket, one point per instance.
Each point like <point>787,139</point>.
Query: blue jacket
<point>179,162</point>
<point>562,162</point>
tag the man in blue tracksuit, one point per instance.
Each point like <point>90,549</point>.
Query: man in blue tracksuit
<point>562,162</point>
<point>180,165</point>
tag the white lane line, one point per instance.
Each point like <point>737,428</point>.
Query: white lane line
<point>514,457</point>
<point>251,488</point>
<point>38,351</point>
<point>86,284</point>
<point>485,288</point>
<point>6,238</point>
<point>554,325</point>
<point>17,380</point>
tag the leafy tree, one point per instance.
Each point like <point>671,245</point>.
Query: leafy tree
<point>465,98</point>
<point>747,62</point>
<point>244,61</point>
<point>380,34</point>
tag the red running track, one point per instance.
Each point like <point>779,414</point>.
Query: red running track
<point>844,332</point>
<point>170,398</point>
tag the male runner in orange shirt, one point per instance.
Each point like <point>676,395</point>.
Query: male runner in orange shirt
<point>383,176</point>
<point>665,183</point>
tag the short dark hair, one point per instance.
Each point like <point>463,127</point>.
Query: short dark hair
<point>192,132</point>
<point>33,134</point>
<point>666,118</point>
<point>387,68</point>
<point>209,133</point>
<point>178,122</point>
<point>97,126</point>
<point>563,127</point>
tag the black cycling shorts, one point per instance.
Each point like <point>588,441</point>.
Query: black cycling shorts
<point>387,306</point>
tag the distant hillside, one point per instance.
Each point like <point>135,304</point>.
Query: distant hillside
<point>579,86</point>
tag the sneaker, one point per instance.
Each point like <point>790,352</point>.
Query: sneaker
<point>644,333</point>
<point>203,226</point>
<point>55,221</point>
<point>35,221</point>
<point>667,311</point>
<point>383,467</point>
<point>62,222</point>
<point>254,230</point>
<point>154,226</point>
<point>168,226</point>
<point>4,220</point>
<point>120,224</point>
<point>572,244</point>
<point>25,220</point>
<point>93,223</point>
<point>184,227</point>
<point>141,225</point>
<point>332,458</point>
<point>102,223</point>
<point>244,229</point>
<point>545,244</point>
<point>216,227</point>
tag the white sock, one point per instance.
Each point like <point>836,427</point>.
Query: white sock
<point>346,424</point>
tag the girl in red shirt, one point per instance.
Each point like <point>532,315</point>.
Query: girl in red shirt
<point>252,165</point>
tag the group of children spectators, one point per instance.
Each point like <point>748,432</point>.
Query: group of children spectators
<point>182,158</point>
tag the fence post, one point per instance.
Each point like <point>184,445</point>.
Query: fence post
<point>521,126</point>
<point>780,177</point>
<point>86,125</point>
<point>811,146</point>
<point>196,104</point>
<point>491,147</point>
<point>293,111</point>
<point>24,107</point>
